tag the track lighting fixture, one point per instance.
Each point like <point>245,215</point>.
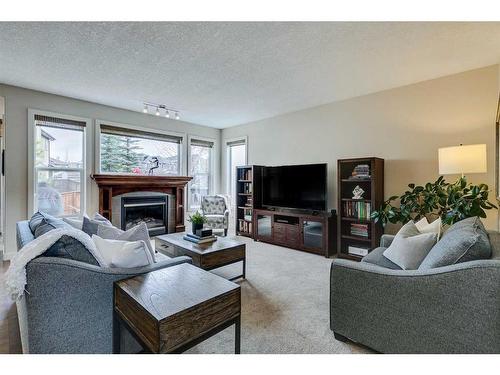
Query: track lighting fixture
<point>161,107</point>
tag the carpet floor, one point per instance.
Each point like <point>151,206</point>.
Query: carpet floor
<point>285,305</point>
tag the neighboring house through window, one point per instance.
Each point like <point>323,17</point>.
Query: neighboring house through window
<point>58,164</point>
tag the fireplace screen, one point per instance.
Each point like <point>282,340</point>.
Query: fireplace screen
<point>149,210</point>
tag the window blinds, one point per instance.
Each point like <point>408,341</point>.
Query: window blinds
<point>201,143</point>
<point>115,130</point>
<point>59,123</point>
<point>236,142</point>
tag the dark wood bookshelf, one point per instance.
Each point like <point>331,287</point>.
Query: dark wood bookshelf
<point>247,190</point>
<point>372,199</point>
<point>357,238</point>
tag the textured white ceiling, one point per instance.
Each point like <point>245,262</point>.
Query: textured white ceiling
<point>225,74</point>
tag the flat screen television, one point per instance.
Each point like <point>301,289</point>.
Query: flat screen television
<point>295,186</point>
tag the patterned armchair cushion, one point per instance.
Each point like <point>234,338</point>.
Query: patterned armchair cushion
<point>213,205</point>
<point>216,221</point>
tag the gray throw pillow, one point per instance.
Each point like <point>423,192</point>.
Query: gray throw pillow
<point>49,223</point>
<point>35,221</point>
<point>464,241</point>
<point>138,233</point>
<point>37,218</point>
<point>376,256</point>
<point>70,248</point>
<point>65,247</point>
<point>90,226</point>
<point>410,247</point>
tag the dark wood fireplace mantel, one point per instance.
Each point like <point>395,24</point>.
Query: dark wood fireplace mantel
<point>111,185</point>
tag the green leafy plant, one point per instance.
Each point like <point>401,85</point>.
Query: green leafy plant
<point>452,202</point>
<point>197,218</point>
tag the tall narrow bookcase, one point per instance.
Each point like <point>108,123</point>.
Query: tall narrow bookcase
<point>248,197</point>
<point>357,233</point>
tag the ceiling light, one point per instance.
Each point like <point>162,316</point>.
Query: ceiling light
<point>158,109</point>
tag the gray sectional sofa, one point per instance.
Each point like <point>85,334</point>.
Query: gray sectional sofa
<point>68,305</point>
<point>449,309</point>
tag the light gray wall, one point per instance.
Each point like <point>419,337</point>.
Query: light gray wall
<point>17,102</point>
<point>405,126</point>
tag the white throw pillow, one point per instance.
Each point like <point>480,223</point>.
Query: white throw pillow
<point>410,247</point>
<point>138,233</point>
<point>123,254</point>
<point>424,226</point>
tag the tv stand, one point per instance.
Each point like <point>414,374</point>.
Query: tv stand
<point>314,233</point>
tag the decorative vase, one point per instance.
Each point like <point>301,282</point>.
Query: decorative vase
<point>197,226</point>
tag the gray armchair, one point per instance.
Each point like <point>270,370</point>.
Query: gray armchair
<point>216,209</point>
<point>68,305</point>
<point>451,309</point>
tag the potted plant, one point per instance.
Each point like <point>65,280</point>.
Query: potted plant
<point>452,202</point>
<point>197,220</point>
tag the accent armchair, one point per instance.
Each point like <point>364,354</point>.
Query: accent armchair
<point>216,209</point>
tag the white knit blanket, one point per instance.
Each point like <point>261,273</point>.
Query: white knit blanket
<point>15,277</point>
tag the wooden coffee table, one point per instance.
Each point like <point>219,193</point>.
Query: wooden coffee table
<point>217,254</point>
<point>175,308</point>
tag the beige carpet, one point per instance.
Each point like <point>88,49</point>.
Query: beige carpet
<point>285,305</point>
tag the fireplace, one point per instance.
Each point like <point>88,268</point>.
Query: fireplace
<point>157,210</point>
<point>116,185</point>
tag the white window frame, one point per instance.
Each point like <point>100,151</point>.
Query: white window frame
<point>84,172</point>
<point>227,143</point>
<point>97,143</point>
<point>214,157</point>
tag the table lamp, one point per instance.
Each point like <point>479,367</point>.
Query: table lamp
<point>462,159</point>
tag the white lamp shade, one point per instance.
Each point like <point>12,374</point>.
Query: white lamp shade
<point>462,159</point>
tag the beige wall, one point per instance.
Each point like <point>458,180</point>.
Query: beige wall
<point>17,102</point>
<point>405,126</point>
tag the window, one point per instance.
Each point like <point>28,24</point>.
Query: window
<point>236,156</point>
<point>130,151</point>
<point>59,165</point>
<point>201,169</point>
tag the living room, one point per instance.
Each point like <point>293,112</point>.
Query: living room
<point>249,187</point>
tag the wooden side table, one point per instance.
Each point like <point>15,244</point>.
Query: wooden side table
<point>175,308</point>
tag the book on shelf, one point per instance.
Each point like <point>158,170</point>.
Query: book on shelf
<point>358,251</point>
<point>248,217</point>
<point>247,187</point>
<point>198,241</point>
<point>358,210</point>
<point>361,171</point>
<point>360,230</point>
<point>244,226</point>
<point>246,175</point>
